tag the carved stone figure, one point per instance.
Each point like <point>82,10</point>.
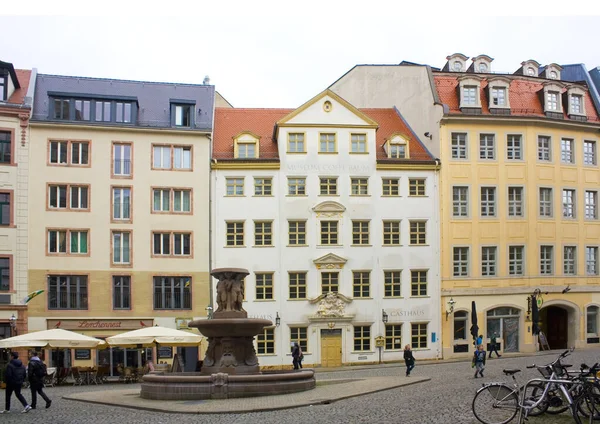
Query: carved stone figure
<point>331,306</point>
<point>230,292</point>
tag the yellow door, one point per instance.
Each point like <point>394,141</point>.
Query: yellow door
<point>331,350</point>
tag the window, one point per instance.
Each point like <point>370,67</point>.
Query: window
<point>358,143</point>
<point>393,336</point>
<point>183,115</point>
<point>576,104</point>
<point>418,336</point>
<point>362,338</point>
<point>5,280</point>
<point>246,150</point>
<point>469,95</point>
<point>102,111</point>
<point>121,292</point>
<point>390,186</point>
<point>123,112</point>
<point>296,143</point>
<point>568,197</point>
<point>546,202</point>
<point>5,209</point>
<point>234,186</point>
<point>482,67</point>
<point>182,244</point>
<point>327,143</point>
<point>263,233</point>
<point>172,157</point>
<point>392,283</point>
<point>297,284</point>
<point>122,160</point>
<point>514,147</point>
<point>121,247</point>
<point>67,292</point>
<point>546,260</point>
<point>329,232</point>
<point>552,101</point>
<point>570,260</point>
<point>263,186</point>
<point>566,151</point>
<point>5,146</point>
<point>398,150</point>
<point>418,232</point>
<point>74,242</point>
<point>162,157</point>
<point>297,233</point>
<point>515,201</point>
<point>488,201</point>
<point>488,261</point>
<point>82,110</point>
<point>296,186</point>
<point>591,204</point>
<point>487,146</point>
<point>172,292</point>
<point>235,234</point>
<point>499,96</point>
<point>360,232</point>
<point>592,323</point>
<point>329,282</point>
<point>361,283</point>
<point>182,200</point>
<point>264,286</point>
<point>79,197</point>
<point>457,66</point>
<point>460,201</point>
<point>265,342</point>
<point>591,260</point>
<point>418,283</point>
<point>161,200</point>
<point>69,152</point>
<point>460,261</point>
<point>3,88</point>
<point>589,152</point>
<point>360,186</point>
<point>459,146</point>
<point>328,186</point>
<point>544,148</point>
<point>57,196</point>
<point>460,325</point>
<point>299,335</point>
<point>416,187</point>
<point>391,233</point>
<point>516,260</point>
<point>62,109</point>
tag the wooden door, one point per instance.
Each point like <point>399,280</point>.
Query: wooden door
<point>557,327</point>
<point>331,350</point>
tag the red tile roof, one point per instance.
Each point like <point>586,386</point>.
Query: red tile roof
<point>524,97</point>
<point>230,122</point>
<point>19,94</point>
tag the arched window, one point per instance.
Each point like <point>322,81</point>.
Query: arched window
<point>592,324</point>
<point>460,325</point>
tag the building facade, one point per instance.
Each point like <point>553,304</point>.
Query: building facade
<point>119,192</point>
<point>333,210</point>
<point>16,96</point>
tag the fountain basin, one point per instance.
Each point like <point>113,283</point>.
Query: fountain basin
<point>230,327</point>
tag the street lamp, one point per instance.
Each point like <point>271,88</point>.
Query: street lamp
<point>209,312</point>
<point>277,320</point>
<point>13,324</point>
<point>384,316</point>
<point>451,304</point>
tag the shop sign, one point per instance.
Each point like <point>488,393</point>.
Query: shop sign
<point>99,324</point>
<point>413,313</point>
<point>182,323</point>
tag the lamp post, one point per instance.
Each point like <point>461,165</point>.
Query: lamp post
<point>209,310</point>
<point>13,325</point>
<point>277,320</point>
<point>380,340</point>
<point>450,309</point>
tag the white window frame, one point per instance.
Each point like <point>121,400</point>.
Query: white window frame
<point>120,247</point>
<point>461,261</point>
<point>459,143</point>
<point>488,207</point>
<point>546,208</point>
<point>591,260</point>
<point>516,260</point>
<point>589,153</point>
<point>546,260</point>
<point>569,203</point>
<point>567,150</point>
<point>514,147</point>
<point>544,148</point>
<point>516,201</point>
<point>569,260</point>
<point>487,146</point>
<point>161,157</point>
<point>489,258</point>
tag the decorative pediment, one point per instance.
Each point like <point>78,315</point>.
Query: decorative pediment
<point>329,209</point>
<point>331,306</point>
<point>330,261</point>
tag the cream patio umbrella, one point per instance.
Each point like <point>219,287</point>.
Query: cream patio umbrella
<point>54,338</point>
<point>151,336</point>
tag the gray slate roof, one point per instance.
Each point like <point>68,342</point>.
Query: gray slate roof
<point>153,97</point>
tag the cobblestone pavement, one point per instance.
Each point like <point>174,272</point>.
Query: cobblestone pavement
<point>445,399</point>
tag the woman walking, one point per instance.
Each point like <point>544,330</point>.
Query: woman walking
<point>409,359</point>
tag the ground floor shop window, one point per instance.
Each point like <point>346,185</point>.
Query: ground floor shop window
<point>116,358</point>
<point>503,323</point>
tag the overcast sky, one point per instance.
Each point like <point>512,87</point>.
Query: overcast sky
<point>267,54</point>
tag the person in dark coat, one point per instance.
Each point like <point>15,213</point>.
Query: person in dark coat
<point>494,346</point>
<point>36,371</point>
<point>296,356</point>
<point>14,379</point>
<point>409,359</point>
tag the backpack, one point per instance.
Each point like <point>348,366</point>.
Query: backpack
<point>19,375</point>
<point>40,370</point>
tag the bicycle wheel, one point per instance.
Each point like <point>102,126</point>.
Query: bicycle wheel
<point>534,392</point>
<point>495,404</point>
<point>588,404</point>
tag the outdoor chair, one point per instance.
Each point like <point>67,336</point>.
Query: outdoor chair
<point>78,381</point>
<point>50,379</point>
<point>121,372</point>
<point>128,375</point>
<point>93,376</point>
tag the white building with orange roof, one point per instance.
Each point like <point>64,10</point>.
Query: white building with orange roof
<point>334,212</point>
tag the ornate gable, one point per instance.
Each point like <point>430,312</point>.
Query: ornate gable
<point>329,209</point>
<point>330,261</point>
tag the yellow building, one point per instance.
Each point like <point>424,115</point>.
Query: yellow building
<point>118,200</point>
<point>519,196</point>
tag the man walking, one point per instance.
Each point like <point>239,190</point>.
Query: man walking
<point>36,372</point>
<point>14,379</point>
<point>494,346</point>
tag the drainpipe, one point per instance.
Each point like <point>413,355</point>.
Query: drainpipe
<point>210,236</point>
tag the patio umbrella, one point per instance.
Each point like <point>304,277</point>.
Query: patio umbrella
<point>474,326</point>
<point>54,338</point>
<point>535,316</point>
<point>149,336</point>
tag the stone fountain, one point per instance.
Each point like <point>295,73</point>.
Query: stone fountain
<point>230,367</point>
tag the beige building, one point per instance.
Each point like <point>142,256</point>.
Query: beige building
<point>119,192</point>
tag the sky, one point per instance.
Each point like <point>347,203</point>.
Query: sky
<point>269,53</point>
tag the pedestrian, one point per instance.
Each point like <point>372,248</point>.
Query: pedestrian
<point>494,346</point>
<point>409,359</point>
<point>14,379</point>
<point>36,371</point>
<point>479,360</point>
<point>295,356</point>
<point>300,356</point>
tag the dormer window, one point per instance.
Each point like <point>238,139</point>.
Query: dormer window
<point>553,75</point>
<point>483,67</point>
<point>499,96</point>
<point>397,147</point>
<point>482,63</point>
<point>469,95</point>
<point>553,100</point>
<point>82,110</point>
<point>552,71</point>
<point>3,87</point>
<point>498,87</point>
<point>576,104</point>
<point>457,66</point>
<point>470,101</point>
<point>182,113</point>
<point>104,109</point>
<point>456,62</point>
<point>531,71</point>
<point>530,68</point>
<point>575,97</point>
<point>246,146</point>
